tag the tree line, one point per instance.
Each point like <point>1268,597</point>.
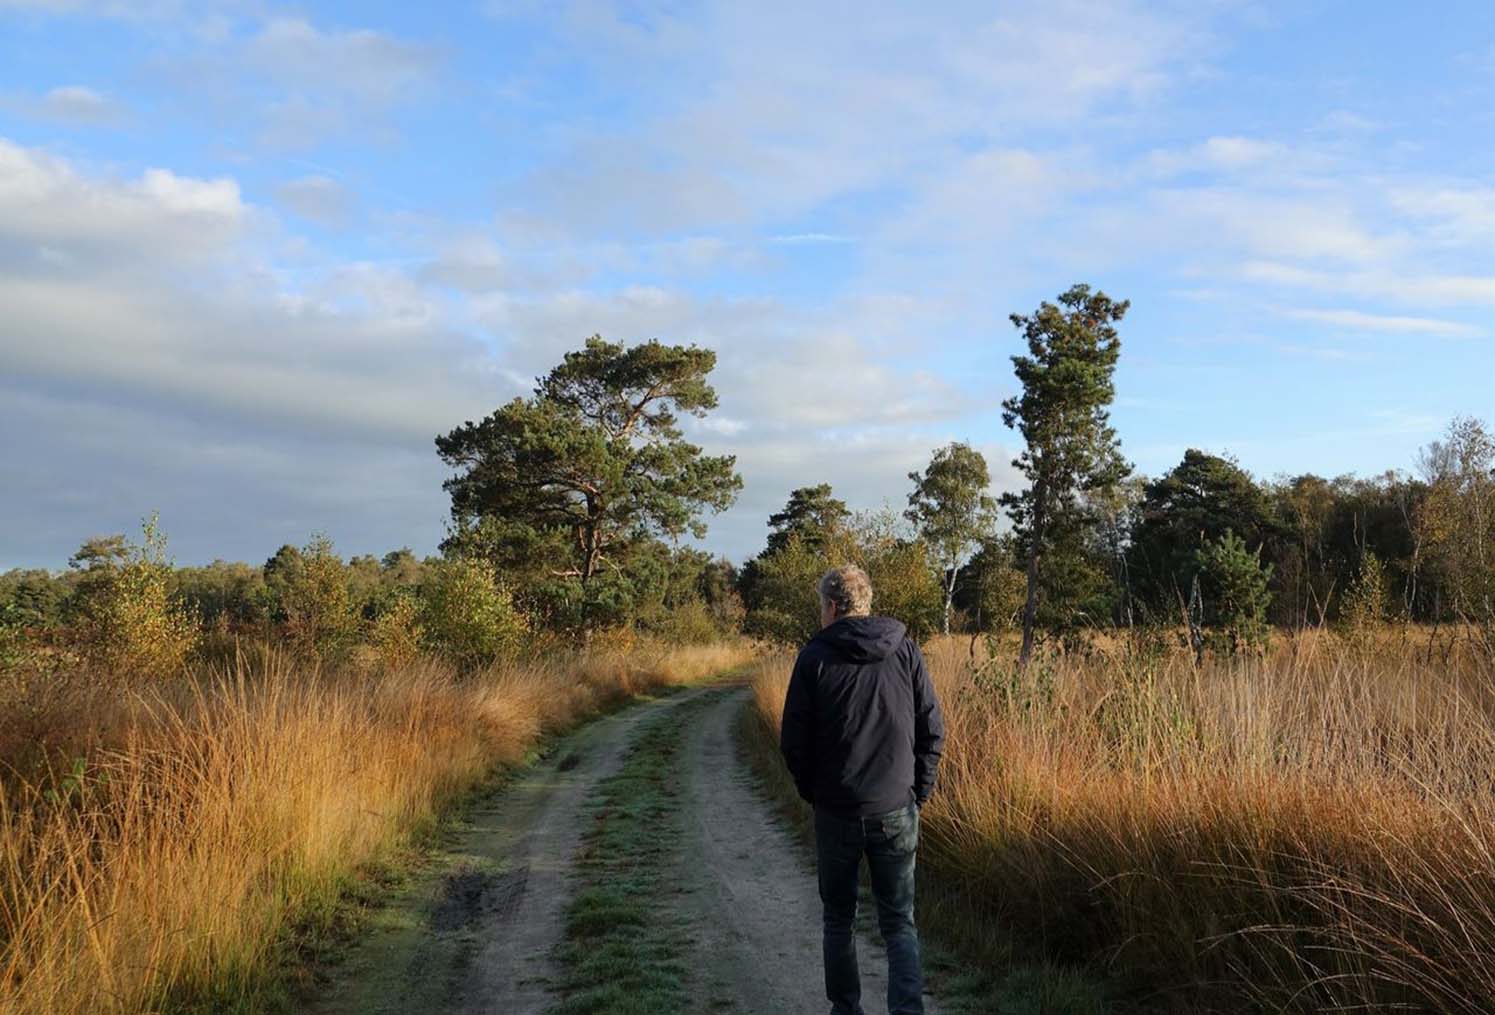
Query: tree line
<point>570,508</point>
<point>1205,547</point>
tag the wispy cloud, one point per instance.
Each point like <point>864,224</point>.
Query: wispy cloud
<point>359,63</point>
<point>1412,288</point>
<point>294,83</point>
<point>842,108</point>
<point>1218,154</point>
<point>124,9</point>
<point>1358,320</point>
<point>318,198</point>
<point>68,104</point>
<point>809,239</point>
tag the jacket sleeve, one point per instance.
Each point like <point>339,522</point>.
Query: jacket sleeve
<point>797,731</point>
<point>929,730</point>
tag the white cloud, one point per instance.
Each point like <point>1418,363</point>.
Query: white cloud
<point>971,210</point>
<point>473,264</point>
<point>157,287</point>
<point>47,204</point>
<point>1304,226</point>
<point>726,426</point>
<point>159,298</point>
<point>801,239</point>
<point>1357,320</point>
<point>294,83</point>
<point>334,81</point>
<point>184,196</point>
<point>223,490</point>
<point>1344,121</point>
<point>146,345</point>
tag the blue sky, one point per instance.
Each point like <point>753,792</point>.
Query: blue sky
<point>253,257</point>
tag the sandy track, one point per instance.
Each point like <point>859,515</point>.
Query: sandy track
<point>751,886</point>
<point>474,935</point>
<point>476,931</point>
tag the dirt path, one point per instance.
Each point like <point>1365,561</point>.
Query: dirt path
<point>752,886</point>
<point>476,932</point>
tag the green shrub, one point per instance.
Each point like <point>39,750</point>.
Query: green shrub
<point>689,623</point>
<point>131,624</point>
<point>13,640</point>
<point>1236,596</point>
<point>318,610</point>
<point>1367,602</point>
<point>396,633</point>
<point>785,586</point>
<point>904,584</point>
<point>469,617</point>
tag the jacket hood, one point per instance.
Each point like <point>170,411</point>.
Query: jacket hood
<point>863,639</point>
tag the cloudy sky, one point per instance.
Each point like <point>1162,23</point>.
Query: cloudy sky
<point>253,257</point>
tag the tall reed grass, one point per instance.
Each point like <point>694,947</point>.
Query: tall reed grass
<point>1309,831</point>
<point>206,818</point>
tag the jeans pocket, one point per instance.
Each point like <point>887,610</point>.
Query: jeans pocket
<point>900,829</point>
<point>908,838</point>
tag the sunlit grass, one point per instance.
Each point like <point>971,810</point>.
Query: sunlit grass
<point>1313,830</point>
<point>210,816</point>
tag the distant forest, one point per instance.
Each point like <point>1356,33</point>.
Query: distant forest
<point>569,507</point>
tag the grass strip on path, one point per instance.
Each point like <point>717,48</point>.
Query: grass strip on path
<point>625,949</point>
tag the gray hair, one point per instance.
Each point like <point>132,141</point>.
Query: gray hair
<point>849,588</point>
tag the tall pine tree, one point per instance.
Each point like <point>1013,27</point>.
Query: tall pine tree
<point>1062,413</point>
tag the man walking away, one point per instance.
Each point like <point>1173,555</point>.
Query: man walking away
<point>862,734</point>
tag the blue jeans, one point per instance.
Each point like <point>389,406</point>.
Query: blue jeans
<point>889,841</point>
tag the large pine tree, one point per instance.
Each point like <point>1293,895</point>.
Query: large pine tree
<point>595,460</point>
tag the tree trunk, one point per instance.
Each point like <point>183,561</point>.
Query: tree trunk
<point>949,595</point>
<point>592,554</point>
<point>1194,618</point>
<point>1035,550</point>
<point>1030,606</point>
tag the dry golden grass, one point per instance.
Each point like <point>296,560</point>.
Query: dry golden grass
<point>211,816</point>
<point>1311,831</point>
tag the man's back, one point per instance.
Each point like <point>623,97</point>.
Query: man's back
<point>862,728</point>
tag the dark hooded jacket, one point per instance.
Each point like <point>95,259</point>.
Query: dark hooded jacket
<point>862,729</point>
